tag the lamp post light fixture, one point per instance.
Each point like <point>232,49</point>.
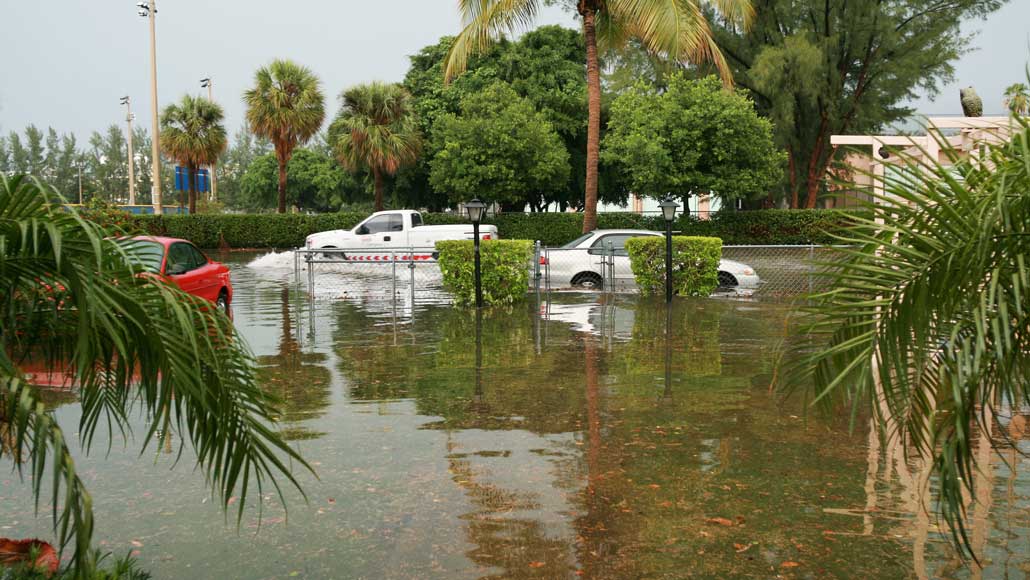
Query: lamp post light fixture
<point>669,207</point>
<point>476,209</point>
<point>148,10</point>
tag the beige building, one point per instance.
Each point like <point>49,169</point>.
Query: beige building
<point>872,158</point>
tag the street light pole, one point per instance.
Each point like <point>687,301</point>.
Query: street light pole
<point>476,209</point>
<point>669,207</point>
<point>149,9</point>
<point>132,152</point>
<point>207,82</point>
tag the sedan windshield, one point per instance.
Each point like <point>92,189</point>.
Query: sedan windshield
<point>144,253</point>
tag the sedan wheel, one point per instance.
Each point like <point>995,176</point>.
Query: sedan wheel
<point>223,302</point>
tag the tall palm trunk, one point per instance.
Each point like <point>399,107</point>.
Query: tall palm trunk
<point>379,188</point>
<point>282,183</point>
<point>193,188</point>
<point>593,117</point>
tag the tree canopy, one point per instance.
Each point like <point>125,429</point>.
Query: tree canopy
<point>499,148</point>
<point>317,183</point>
<point>692,138</point>
<point>824,67</point>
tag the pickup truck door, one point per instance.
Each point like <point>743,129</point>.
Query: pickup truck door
<point>382,231</point>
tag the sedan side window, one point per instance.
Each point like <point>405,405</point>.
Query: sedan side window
<point>180,259</point>
<point>199,259</point>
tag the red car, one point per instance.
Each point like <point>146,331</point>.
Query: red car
<point>183,264</point>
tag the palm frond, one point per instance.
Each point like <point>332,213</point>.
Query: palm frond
<point>929,315</point>
<point>69,295</point>
<point>484,21</point>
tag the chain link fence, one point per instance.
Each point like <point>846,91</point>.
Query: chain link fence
<point>412,275</point>
<point>400,276</point>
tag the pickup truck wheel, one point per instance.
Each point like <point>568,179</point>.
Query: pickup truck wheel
<point>332,255</point>
<point>588,281</point>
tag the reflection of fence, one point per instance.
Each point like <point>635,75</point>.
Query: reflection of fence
<point>404,276</point>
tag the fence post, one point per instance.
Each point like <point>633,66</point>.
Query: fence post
<point>393,277</point>
<point>547,270</point>
<point>811,266</point>
<point>296,267</point>
<point>609,269</point>
<point>411,268</point>
<point>536,265</point>
<point>311,276</point>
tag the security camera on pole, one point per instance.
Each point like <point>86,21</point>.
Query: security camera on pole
<point>209,85</point>
<point>132,152</point>
<point>148,10</point>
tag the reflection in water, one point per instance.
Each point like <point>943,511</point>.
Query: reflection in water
<point>570,438</point>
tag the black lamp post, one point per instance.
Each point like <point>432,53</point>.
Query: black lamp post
<point>669,208</point>
<point>476,209</point>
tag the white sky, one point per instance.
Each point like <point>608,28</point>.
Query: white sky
<point>65,63</point>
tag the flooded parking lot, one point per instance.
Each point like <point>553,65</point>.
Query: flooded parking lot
<point>567,438</point>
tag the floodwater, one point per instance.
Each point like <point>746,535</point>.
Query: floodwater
<point>575,439</point>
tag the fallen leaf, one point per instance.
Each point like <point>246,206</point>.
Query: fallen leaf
<point>789,564</point>
<point>537,564</point>
<point>137,543</point>
<point>719,521</point>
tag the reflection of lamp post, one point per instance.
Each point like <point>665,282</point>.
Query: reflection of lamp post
<point>477,396</point>
<point>669,208</point>
<point>667,395</point>
<point>476,209</point>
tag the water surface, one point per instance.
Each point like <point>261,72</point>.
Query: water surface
<point>564,453</point>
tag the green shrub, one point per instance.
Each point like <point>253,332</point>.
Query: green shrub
<point>695,264</point>
<point>504,265</point>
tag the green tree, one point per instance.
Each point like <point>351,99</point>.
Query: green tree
<point>5,156</point>
<point>192,133</point>
<point>35,151</point>
<point>928,322</point>
<point>19,156</point>
<point>1017,98</point>
<point>235,162</point>
<point>106,165</point>
<point>317,183</point>
<point>129,342</point>
<point>677,30</point>
<point>499,146</point>
<point>823,67</point>
<point>376,131</point>
<point>693,138</point>
<point>286,106</point>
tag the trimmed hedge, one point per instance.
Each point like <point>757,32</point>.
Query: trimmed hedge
<point>504,269</point>
<point>553,229</point>
<point>695,264</point>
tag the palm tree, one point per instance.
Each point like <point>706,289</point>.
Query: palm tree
<point>71,296</point>
<point>192,133</point>
<point>376,131</point>
<point>677,30</point>
<point>1017,99</point>
<point>928,320</point>
<point>286,107</point>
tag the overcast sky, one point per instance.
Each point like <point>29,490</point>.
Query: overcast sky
<point>65,63</point>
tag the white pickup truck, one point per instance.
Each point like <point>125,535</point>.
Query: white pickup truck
<point>394,230</point>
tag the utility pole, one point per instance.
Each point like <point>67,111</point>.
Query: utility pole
<point>148,9</point>
<point>80,182</point>
<point>132,152</point>
<point>207,82</point>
